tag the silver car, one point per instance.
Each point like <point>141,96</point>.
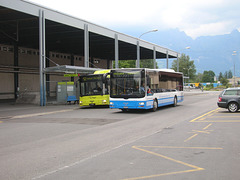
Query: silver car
<point>230,99</point>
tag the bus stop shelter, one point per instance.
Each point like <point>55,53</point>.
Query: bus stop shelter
<point>29,25</point>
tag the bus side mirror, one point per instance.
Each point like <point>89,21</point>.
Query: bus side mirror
<point>106,76</point>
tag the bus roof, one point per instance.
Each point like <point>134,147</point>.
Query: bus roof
<point>163,70</point>
<point>102,71</point>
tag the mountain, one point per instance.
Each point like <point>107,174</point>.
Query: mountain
<point>208,52</point>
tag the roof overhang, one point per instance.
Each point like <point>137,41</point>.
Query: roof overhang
<point>70,69</point>
<point>65,33</point>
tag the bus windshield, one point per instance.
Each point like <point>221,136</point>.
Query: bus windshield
<point>92,85</point>
<point>127,83</point>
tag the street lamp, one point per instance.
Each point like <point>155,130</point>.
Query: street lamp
<point>188,72</point>
<point>138,47</point>
<point>234,54</point>
<point>188,47</point>
<point>154,30</point>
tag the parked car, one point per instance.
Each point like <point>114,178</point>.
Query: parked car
<point>230,99</point>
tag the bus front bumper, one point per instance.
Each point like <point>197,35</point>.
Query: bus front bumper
<point>131,104</point>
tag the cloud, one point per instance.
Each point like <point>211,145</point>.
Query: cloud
<point>196,18</point>
<point>210,29</point>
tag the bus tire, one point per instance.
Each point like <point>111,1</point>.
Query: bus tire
<point>155,105</point>
<point>175,102</point>
<point>124,110</point>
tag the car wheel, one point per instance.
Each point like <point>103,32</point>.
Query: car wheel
<point>232,107</point>
<point>155,106</point>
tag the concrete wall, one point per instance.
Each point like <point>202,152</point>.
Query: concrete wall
<point>28,72</point>
<point>6,78</point>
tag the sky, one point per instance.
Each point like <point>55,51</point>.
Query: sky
<point>194,17</point>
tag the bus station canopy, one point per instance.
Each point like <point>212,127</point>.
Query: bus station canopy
<point>70,69</point>
<point>20,19</point>
<point>28,25</point>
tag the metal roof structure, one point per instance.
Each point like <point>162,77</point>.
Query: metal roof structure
<point>25,24</point>
<point>19,21</point>
<point>70,69</point>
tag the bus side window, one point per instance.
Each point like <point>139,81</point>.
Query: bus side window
<point>148,81</point>
<point>149,92</point>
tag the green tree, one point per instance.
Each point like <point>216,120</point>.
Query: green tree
<point>224,81</point>
<point>186,66</point>
<point>147,63</point>
<point>225,75</point>
<point>144,63</point>
<point>220,76</point>
<point>199,77</point>
<point>230,75</point>
<point>125,64</point>
<point>208,76</point>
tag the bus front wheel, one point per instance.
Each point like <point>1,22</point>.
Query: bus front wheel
<point>175,102</point>
<point>155,106</point>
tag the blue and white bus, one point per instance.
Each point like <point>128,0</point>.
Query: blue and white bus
<point>141,88</point>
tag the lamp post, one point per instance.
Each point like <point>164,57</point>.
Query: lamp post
<point>138,47</point>
<point>188,72</point>
<point>234,54</point>
<point>154,30</point>
<point>188,47</point>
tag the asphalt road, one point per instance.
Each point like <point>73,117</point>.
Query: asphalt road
<point>194,140</point>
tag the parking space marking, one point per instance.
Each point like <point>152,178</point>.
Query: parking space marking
<point>222,121</point>
<point>213,116</point>
<point>207,126</point>
<point>164,174</point>
<point>200,118</point>
<point>210,117</point>
<point>194,168</point>
<point>191,137</point>
<point>39,114</point>
<point>217,117</point>
<point>203,131</point>
<point>178,147</point>
<point>225,116</point>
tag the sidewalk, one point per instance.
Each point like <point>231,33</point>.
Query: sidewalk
<point>8,110</point>
<point>191,92</point>
<point>15,110</point>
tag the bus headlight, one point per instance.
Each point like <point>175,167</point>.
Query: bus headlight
<point>141,104</point>
<point>104,101</point>
<point>80,102</point>
<point>111,103</point>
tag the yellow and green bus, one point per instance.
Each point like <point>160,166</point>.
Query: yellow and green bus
<point>94,88</point>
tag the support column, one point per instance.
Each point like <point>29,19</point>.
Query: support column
<point>48,75</point>
<point>42,57</point>
<point>16,82</point>
<point>177,62</point>
<point>116,51</point>
<point>154,57</point>
<point>86,46</point>
<point>72,64</point>
<point>44,61</point>
<point>138,55</point>
<point>167,59</point>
